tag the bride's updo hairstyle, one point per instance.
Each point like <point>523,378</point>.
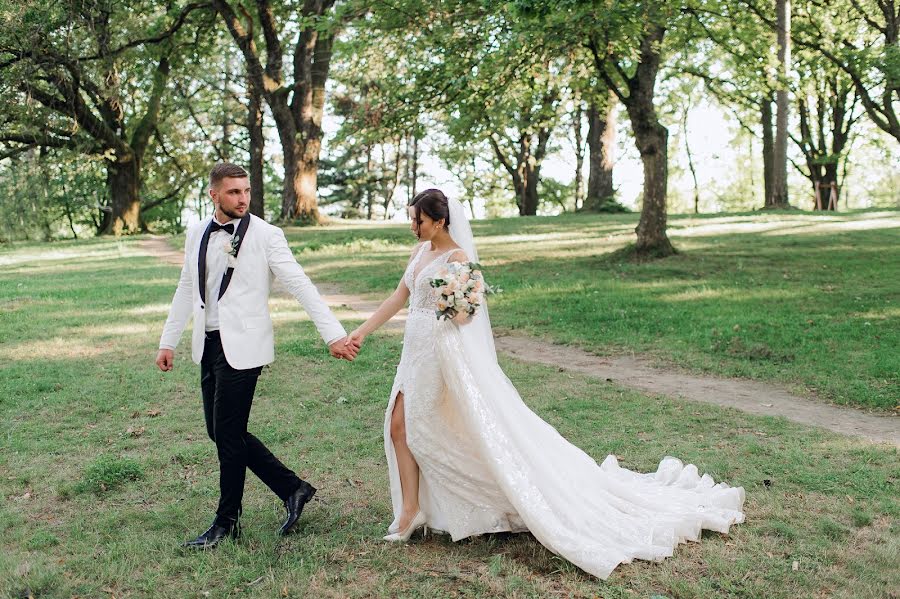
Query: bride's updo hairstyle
<point>432,202</point>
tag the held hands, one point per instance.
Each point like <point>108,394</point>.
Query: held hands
<point>356,338</point>
<point>165,359</point>
<point>345,349</point>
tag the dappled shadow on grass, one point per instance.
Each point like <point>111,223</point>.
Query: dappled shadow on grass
<point>825,503</point>
<point>750,306</point>
<point>741,304</point>
<point>338,446</point>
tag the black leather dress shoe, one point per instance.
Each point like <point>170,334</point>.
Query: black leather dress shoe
<point>214,535</point>
<point>294,505</point>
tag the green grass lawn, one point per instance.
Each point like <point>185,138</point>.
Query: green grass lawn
<point>105,466</point>
<point>808,301</point>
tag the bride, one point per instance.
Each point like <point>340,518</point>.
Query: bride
<point>465,455</point>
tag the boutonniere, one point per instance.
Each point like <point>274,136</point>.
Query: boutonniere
<point>230,247</point>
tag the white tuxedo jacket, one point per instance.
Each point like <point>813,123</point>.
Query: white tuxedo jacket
<point>244,322</point>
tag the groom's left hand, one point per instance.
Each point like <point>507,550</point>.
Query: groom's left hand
<point>342,350</point>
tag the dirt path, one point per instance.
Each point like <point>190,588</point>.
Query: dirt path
<point>634,372</point>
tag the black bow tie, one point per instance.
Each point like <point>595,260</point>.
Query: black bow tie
<point>216,227</point>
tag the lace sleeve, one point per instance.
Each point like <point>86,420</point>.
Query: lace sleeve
<point>458,256</point>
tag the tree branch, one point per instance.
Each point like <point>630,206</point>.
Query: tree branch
<point>172,30</point>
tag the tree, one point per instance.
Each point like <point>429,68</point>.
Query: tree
<point>479,74</point>
<point>297,98</point>
<point>474,166</point>
<point>826,107</point>
<point>633,81</point>
<point>74,70</point>
<point>735,60</point>
<point>519,132</point>
<point>743,75</point>
<point>372,155</point>
<point>627,42</point>
<point>577,116</point>
<point>862,39</point>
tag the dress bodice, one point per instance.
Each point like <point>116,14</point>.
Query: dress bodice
<point>422,296</point>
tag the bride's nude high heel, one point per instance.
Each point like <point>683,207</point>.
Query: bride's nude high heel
<point>403,536</point>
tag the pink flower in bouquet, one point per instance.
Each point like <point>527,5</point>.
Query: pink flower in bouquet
<point>464,278</point>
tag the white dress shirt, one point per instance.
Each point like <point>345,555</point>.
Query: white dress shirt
<point>216,265</point>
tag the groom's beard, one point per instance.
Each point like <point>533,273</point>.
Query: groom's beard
<point>230,213</point>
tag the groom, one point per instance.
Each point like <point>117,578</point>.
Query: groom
<point>229,262</point>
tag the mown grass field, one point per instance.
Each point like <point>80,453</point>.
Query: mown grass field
<point>808,301</point>
<point>105,466</point>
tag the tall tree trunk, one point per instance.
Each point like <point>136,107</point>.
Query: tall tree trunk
<point>519,189</point>
<point>225,151</point>
<point>140,137</point>
<point>830,182</point>
<point>529,170</point>
<point>530,199</point>
<point>286,135</point>
<point>768,153</point>
<point>415,163</point>
<point>306,207</point>
<point>392,183</point>
<point>412,164</point>
<point>579,153</point>
<point>257,146</point>
<point>651,138</point>
<point>370,197</point>
<point>123,184</point>
<point>313,60</point>
<point>780,188</point>
<point>690,157</point>
<point>601,153</point>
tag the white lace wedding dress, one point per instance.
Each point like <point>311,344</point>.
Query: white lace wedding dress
<point>490,464</point>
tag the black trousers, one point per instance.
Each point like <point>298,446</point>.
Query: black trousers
<point>227,397</point>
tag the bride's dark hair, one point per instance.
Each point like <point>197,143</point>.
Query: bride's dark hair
<point>432,202</point>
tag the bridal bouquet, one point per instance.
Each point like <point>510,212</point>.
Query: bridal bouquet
<point>461,288</point>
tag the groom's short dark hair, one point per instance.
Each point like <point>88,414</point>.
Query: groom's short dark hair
<point>226,169</point>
